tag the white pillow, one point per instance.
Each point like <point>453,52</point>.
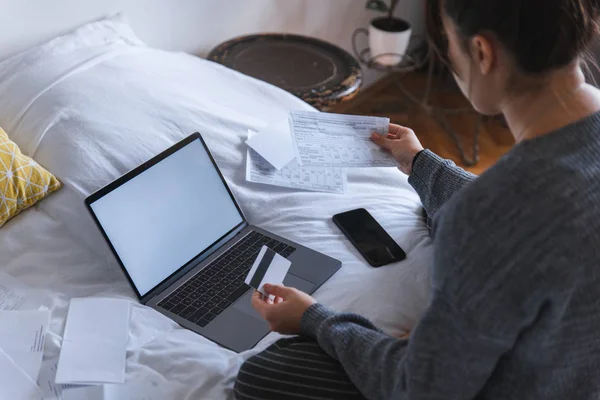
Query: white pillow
<point>27,75</point>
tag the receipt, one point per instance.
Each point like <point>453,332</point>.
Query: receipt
<point>318,179</point>
<point>322,139</point>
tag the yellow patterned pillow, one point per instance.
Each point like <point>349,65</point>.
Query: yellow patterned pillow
<point>23,182</point>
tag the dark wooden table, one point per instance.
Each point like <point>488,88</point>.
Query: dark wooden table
<point>318,72</point>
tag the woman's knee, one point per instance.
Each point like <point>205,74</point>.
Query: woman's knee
<point>293,368</point>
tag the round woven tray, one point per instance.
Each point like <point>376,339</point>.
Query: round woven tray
<point>315,71</point>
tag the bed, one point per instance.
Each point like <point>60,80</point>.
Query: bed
<point>93,104</point>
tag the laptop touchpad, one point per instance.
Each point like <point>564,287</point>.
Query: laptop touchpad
<point>298,283</point>
<point>244,305</point>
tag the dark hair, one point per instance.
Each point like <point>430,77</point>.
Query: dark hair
<point>541,35</point>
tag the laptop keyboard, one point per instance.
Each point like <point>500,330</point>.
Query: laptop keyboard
<point>205,295</point>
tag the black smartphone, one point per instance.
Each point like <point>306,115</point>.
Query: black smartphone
<point>371,240</point>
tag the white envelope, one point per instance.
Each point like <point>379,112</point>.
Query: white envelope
<point>274,144</point>
<point>95,342</point>
<point>269,267</point>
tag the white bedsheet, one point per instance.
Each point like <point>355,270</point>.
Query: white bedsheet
<point>91,105</point>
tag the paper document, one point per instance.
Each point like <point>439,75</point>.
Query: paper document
<point>338,140</point>
<point>318,179</point>
<point>22,335</point>
<point>274,144</point>
<point>95,342</point>
<point>16,296</point>
<point>15,383</point>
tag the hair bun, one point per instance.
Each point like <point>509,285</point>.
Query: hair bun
<point>542,35</point>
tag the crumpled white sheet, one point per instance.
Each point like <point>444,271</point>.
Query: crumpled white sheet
<point>95,103</point>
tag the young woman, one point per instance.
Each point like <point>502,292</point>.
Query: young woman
<point>515,306</point>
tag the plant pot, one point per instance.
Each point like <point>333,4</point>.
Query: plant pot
<point>388,40</point>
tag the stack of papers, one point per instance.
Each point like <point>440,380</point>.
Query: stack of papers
<point>310,150</point>
<point>93,350</point>
<point>95,342</point>
<point>319,179</point>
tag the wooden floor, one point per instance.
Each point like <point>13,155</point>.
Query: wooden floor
<point>385,98</point>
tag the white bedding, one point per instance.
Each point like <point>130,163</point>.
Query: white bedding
<point>93,104</point>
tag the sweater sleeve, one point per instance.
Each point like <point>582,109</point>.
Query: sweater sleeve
<point>483,298</point>
<point>436,180</point>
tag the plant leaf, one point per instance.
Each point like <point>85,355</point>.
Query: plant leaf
<point>377,5</point>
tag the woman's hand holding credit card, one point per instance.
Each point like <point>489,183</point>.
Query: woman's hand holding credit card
<point>282,307</point>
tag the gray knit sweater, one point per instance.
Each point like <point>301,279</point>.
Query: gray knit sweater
<point>515,306</point>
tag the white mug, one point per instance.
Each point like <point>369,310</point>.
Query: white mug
<point>394,44</point>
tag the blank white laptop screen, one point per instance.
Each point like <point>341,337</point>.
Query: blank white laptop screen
<point>167,215</point>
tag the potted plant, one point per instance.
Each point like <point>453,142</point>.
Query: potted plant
<point>388,36</point>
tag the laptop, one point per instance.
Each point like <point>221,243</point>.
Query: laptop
<point>186,247</point>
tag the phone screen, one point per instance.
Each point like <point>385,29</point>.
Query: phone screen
<point>371,240</point>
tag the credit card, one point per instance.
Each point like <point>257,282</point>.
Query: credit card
<point>269,267</point>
